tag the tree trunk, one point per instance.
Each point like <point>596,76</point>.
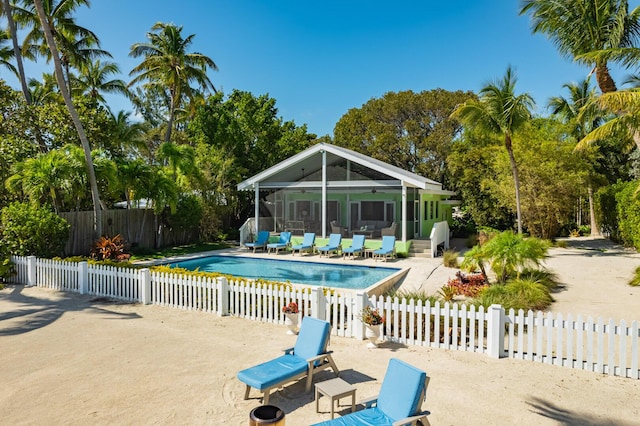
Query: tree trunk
<point>95,195</point>
<point>595,231</point>
<point>16,50</point>
<point>172,108</point>
<point>604,79</point>
<point>516,180</point>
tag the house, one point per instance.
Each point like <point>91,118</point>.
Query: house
<point>327,188</point>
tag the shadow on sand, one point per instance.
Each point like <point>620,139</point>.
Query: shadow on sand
<point>565,417</point>
<point>28,313</point>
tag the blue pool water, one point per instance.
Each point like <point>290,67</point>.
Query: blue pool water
<point>310,273</point>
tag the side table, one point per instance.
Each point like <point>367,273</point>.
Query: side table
<point>335,389</point>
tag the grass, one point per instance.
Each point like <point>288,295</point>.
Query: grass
<point>150,254</point>
<point>450,258</point>
<point>635,281</point>
<point>519,293</point>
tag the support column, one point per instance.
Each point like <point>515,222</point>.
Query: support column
<point>324,193</point>
<point>404,213</point>
<point>495,332</point>
<point>256,208</point>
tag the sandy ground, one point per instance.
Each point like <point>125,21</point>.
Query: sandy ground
<point>71,359</point>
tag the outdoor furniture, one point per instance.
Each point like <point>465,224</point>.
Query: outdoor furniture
<point>390,231</point>
<point>337,228</point>
<point>399,402</point>
<point>308,356</point>
<point>357,246</point>
<point>294,226</point>
<point>335,389</point>
<point>387,250</point>
<point>283,242</point>
<point>260,243</point>
<point>308,241</point>
<point>334,245</point>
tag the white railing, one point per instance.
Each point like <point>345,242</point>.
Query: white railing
<point>439,235</point>
<point>592,345</point>
<point>248,230</point>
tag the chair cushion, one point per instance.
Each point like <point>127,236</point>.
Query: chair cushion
<point>401,390</point>
<point>312,339</point>
<point>370,416</point>
<point>270,373</point>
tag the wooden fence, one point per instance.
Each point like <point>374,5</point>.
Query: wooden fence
<point>137,226</point>
<point>594,345</point>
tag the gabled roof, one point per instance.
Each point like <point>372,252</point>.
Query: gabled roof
<point>410,179</point>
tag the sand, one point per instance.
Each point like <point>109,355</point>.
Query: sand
<point>72,359</point>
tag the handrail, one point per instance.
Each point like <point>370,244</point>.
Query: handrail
<point>439,235</point>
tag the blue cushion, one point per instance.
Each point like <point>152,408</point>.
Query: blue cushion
<point>272,372</point>
<point>370,416</point>
<point>401,390</point>
<point>312,339</point>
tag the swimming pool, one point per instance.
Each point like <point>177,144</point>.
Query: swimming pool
<point>297,272</point>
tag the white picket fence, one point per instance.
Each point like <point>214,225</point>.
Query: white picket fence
<point>595,345</point>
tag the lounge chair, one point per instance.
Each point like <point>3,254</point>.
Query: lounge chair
<point>334,245</point>
<point>357,246</point>
<point>283,242</point>
<point>308,241</point>
<point>307,357</point>
<point>390,231</point>
<point>387,250</point>
<point>260,243</point>
<point>399,402</point>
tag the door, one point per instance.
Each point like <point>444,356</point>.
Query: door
<point>416,219</point>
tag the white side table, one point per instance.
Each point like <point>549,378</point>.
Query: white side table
<point>335,389</point>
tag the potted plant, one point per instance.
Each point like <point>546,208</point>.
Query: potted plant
<point>290,311</point>
<point>372,319</point>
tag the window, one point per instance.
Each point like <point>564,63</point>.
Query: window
<point>426,210</point>
<point>372,210</point>
<point>437,205</point>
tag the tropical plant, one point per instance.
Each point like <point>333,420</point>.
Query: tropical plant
<point>450,258</point>
<point>7,11</point>
<point>95,195</point>
<point>28,230</point>
<point>500,111</point>
<point>169,68</point>
<point>6,53</point>
<point>635,281</point>
<point>520,293</point>
<point>7,270</point>
<point>93,80</point>
<point>371,316</point>
<point>591,32</point>
<point>110,248</point>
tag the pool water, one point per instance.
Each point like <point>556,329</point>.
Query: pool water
<point>309,273</point>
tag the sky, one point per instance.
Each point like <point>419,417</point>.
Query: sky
<point>320,59</point>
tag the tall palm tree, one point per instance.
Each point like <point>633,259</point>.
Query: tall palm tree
<point>6,53</point>
<point>591,32</point>
<point>45,91</point>
<point>129,136</point>
<point>168,66</point>
<point>500,111</point>
<point>93,80</point>
<point>76,44</point>
<point>95,195</point>
<point>13,32</point>
<point>581,112</point>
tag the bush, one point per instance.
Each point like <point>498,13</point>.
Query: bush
<point>467,285</point>
<point>520,293</point>
<point>107,248</point>
<point>450,258</point>
<point>635,281</point>
<point>6,270</point>
<point>27,230</point>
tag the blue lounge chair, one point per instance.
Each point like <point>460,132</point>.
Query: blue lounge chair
<point>357,246</point>
<point>283,242</point>
<point>387,250</point>
<point>334,244</point>
<point>308,356</point>
<point>308,241</point>
<point>399,402</point>
<point>260,243</point>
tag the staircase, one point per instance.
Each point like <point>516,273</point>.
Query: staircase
<point>420,248</point>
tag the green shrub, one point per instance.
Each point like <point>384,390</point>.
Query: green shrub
<point>520,293</point>
<point>7,270</point>
<point>450,258</point>
<point>546,278</point>
<point>414,294</point>
<point>628,205</point>
<point>27,230</point>
<point>606,206</point>
<point>635,281</point>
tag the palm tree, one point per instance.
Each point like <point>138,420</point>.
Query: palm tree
<point>582,113</point>
<point>13,32</point>
<point>6,53</point>
<point>95,195</point>
<point>129,136</point>
<point>500,111</point>
<point>44,92</point>
<point>592,32</point>
<point>167,66</point>
<point>76,45</point>
<point>93,80</point>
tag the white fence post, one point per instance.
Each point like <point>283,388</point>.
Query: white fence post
<point>144,277</point>
<point>32,275</point>
<point>222,288</point>
<point>318,303</point>
<point>362,300</point>
<point>83,277</point>
<point>495,332</point>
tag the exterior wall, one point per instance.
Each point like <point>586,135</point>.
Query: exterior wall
<point>432,210</point>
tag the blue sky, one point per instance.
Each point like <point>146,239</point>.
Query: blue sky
<point>320,59</point>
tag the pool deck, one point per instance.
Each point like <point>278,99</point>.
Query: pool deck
<point>417,273</point>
